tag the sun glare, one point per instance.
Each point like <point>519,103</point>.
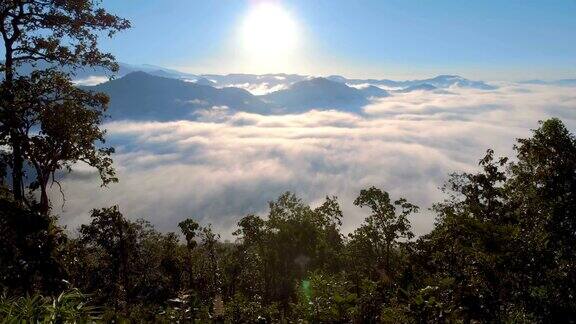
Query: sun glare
<point>269,30</point>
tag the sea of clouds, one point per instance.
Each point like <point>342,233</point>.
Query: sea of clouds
<point>225,165</point>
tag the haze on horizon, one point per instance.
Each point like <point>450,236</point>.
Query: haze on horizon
<point>491,40</point>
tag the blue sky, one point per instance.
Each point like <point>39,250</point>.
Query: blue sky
<point>496,40</point>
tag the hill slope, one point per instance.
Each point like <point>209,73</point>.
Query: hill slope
<point>141,96</point>
<point>318,93</point>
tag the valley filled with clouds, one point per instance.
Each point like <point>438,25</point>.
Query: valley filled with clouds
<point>224,163</point>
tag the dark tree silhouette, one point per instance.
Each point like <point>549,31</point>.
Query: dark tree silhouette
<point>60,128</point>
<point>58,32</point>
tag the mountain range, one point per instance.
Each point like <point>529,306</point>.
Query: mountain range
<point>318,93</point>
<point>240,80</point>
<point>163,94</point>
<point>143,96</point>
<point>148,92</point>
<point>562,82</point>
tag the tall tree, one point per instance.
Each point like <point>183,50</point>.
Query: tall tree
<point>468,252</point>
<point>282,250</point>
<point>190,229</point>
<point>60,128</point>
<point>59,32</point>
<point>116,237</point>
<point>543,194</point>
<point>374,250</point>
<point>384,226</point>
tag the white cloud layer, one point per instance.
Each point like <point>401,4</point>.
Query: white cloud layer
<point>91,80</point>
<point>221,167</point>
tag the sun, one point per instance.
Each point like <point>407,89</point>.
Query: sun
<point>269,30</point>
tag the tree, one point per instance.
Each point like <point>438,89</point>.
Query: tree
<point>125,262</point>
<point>501,249</point>
<point>279,252</point>
<point>30,251</point>
<point>61,128</point>
<point>542,191</point>
<point>111,235</point>
<point>58,32</point>
<point>374,251</point>
<point>466,256</point>
<point>190,229</point>
<point>209,241</point>
<point>384,227</point>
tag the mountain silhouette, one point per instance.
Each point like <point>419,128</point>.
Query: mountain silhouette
<point>275,79</point>
<point>204,81</point>
<point>374,92</point>
<point>142,96</point>
<point>561,82</point>
<point>163,94</point>
<point>318,93</point>
<point>440,82</point>
<point>446,81</point>
<point>418,87</point>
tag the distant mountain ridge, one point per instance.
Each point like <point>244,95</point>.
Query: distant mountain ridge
<point>374,92</point>
<point>418,87</point>
<point>147,92</point>
<point>561,82</point>
<point>272,80</point>
<point>275,79</point>
<point>164,95</point>
<point>142,96</point>
<point>440,82</point>
<point>318,93</point>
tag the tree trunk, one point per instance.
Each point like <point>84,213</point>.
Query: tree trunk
<point>17,153</point>
<point>44,202</point>
<point>17,166</point>
<point>191,272</point>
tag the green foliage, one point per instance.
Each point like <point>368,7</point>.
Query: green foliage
<point>59,33</point>
<point>325,298</point>
<point>543,193</point>
<point>376,238</point>
<point>125,262</point>
<point>30,250</point>
<point>243,309</point>
<point>294,240</point>
<point>503,236</point>
<point>189,228</point>
<point>70,306</point>
<point>60,127</point>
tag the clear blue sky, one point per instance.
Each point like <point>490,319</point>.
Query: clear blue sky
<point>485,39</point>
